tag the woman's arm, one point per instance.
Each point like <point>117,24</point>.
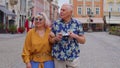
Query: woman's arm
<point>52,38</point>
<point>27,48</point>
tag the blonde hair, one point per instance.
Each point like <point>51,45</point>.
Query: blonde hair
<point>47,21</point>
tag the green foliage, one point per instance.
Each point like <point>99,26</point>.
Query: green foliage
<point>1,26</point>
<point>29,18</point>
<point>114,30</point>
<point>13,28</point>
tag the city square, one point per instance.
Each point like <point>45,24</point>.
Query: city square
<point>98,20</point>
<point>101,50</point>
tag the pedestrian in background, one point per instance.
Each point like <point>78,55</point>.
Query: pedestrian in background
<point>26,25</point>
<point>37,48</point>
<point>68,34</point>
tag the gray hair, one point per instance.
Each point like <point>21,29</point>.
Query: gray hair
<point>70,6</point>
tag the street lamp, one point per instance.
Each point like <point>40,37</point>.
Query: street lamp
<point>90,20</point>
<point>109,20</point>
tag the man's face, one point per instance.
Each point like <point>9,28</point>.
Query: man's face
<point>65,12</point>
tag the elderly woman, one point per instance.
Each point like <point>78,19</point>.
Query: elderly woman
<point>37,49</point>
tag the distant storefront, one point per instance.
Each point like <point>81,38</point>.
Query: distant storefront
<point>94,24</point>
<point>4,13</point>
<point>113,21</point>
<point>1,17</point>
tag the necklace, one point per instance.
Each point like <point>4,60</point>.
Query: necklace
<point>41,32</point>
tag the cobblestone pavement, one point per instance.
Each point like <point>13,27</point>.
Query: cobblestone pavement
<point>10,50</point>
<point>101,50</point>
<point>4,37</point>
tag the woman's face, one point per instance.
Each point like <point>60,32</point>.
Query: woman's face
<point>39,21</point>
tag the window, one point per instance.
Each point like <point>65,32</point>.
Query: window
<point>110,7</point>
<point>97,0</point>
<point>89,0</point>
<point>97,11</point>
<point>7,5</point>
<point>110,1</point>
<point>118,1</point>
<point>118,9</point>
<point>79,0</point>
<point>79,10</point>
<point>88,11</point>
<point>23,5</point>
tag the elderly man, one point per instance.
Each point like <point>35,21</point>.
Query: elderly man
<point>68,34</point>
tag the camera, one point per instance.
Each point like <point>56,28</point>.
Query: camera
<point>66,35</point>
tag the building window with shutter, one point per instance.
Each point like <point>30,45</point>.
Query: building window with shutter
<point>88,11</point>
<point>89,0</point>
<point>110,1</point>
<point>118,1</point>
<point>79,0</point>
<point>97,11</point>
<point>118,9</point>
<point>97,0</point>
<point>110,7</point>
<point>79,10</point>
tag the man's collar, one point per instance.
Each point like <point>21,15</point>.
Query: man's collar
<point>72,20</point>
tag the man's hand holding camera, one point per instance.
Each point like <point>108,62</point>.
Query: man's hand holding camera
<point>79,38</point>
<point>58,37</point>
<point>72,35</point>
<point>69,34</point>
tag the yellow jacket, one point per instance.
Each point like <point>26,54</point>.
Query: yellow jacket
<point>37,48</point>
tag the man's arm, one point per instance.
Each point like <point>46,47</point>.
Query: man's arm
<point>79,38</point>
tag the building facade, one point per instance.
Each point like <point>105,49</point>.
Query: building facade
<point>20,10</point>
<point>89,13</point>
<point>5,15</point>
<point>18,7</point>
<point>54,10</point>
<point>112,12</point>
<point>50,7</point>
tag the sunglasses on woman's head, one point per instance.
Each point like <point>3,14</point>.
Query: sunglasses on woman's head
<point>40,19</point>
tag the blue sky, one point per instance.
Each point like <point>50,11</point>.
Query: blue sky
<point>60,2</point>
